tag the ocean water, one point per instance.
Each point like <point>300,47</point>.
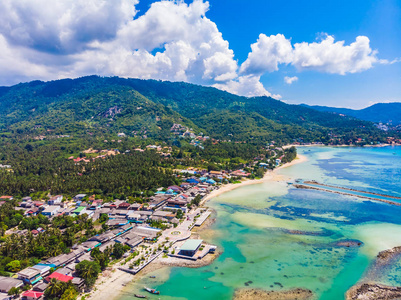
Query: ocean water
<point>277,237</point>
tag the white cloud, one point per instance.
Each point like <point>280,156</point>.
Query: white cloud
<point>41,39</point>
<point>325,56</point>
<point>290,80</point>
<point>333,57</point>
<point>248,86</point>
<point>267,53</point>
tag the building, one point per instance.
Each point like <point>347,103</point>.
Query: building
<point>29,275</point>
<point>50,211</point>
<point>6,283</point>
<point>58,276</point>
<point>190,247</point>
<point>79,197</point>
<point>55,200</point>
<point>44,269</point>
<point>6,198</point>
<point>79,211</point>
<point>31,295</point>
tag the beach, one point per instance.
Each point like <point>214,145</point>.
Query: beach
<point>269,176</point>
<point>112,281</point>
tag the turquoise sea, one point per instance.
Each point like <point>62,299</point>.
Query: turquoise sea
<point>256,226</point>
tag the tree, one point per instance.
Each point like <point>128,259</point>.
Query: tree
<point>69,294</point>
<point>118,250</point>
<point>14,266</point>
<point>179,214</point>
<point>14,291</point>
<point>89,271</point>
<point>55,288</point>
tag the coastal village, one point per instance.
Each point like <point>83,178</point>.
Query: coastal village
<point>161,226</point>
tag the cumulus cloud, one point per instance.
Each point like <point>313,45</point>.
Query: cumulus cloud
<point>290,80</point>
<point>324,56</point>
<point>68,38</point>
<point>172,40</point>
<point>248,86</point>
<point>267,53</point>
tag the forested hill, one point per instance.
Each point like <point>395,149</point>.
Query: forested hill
<point>380,112</point>
<point>100,106</point>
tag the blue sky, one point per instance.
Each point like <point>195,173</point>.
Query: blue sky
<point>336,53</point>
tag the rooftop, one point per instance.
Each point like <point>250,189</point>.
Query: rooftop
<point>191,245</point>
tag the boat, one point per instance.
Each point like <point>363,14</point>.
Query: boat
<point>152,276</point>
<point>152,291</point>
<point>140,296</point>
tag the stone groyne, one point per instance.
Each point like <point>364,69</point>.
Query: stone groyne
<point>308,187</point>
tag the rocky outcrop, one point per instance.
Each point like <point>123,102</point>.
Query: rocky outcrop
<point>250,294</point>
<point>373,291</point>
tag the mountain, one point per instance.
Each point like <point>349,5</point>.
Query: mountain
<point>380,112</point>
<point>101,106</point>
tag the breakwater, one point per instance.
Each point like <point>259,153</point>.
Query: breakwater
<point>312,185</point>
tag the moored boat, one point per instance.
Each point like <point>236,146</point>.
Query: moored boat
<point>140,296</point>
<point>152,291</point>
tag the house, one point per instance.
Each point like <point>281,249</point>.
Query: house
<point>55,200</point>
<point>193,180</point>
<point>31,295</point>
<point>58,276</point>
<point>6,283</point>
<point>96,204</point>
<point>210,181</point>
<point>215,173</point>
<point>79,197</point>
<point>6,198</point>
<point>240,173</point>
<point>124,205</point>
<point>79,211</point>
<point>40,287</point>
<point>50,211</point>
<point>278,162</point>
<point>29,275</point>
<point>174,188</point>
<point>25,199</point>
<point>190,247</point>
<point>44,269</point>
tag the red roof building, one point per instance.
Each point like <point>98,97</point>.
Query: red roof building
<point>59,276</point>
<point>31,295</point>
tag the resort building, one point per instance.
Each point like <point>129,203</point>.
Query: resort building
<point>190,247</point>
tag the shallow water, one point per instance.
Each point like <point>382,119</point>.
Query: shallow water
<point>255,228</point>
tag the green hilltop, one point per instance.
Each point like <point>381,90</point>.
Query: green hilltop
<point>102,106</point>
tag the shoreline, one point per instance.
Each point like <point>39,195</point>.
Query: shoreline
<point>112,281</point>
<point>270,175</point>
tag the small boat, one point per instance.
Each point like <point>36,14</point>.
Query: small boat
<point>152,276</point>
<point>140,296</point>
<point>152,291</point>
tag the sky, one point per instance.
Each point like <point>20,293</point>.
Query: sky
<point>335,53</point>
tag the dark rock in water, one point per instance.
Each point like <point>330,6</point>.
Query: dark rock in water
<point>246,284</point>
<point>216,268</point>
<point>251,262</point>
<point>279,284</point>
<point>241,267</point>
<point>272,286</point>
<point>348,243</point>
<point>221,273</point>
<point>285,276</point>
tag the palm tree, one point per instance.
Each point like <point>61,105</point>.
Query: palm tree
<point>55,288</point>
